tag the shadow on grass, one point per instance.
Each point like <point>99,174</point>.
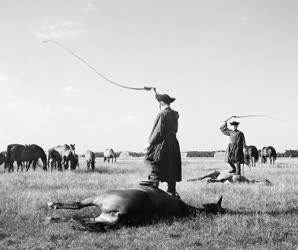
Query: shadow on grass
<point>82,223</point>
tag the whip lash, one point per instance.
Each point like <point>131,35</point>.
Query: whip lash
<point>95,70</point>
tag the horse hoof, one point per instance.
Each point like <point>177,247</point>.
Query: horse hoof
<point>51,205</point>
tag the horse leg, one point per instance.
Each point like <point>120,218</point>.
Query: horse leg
<point>109,219</point>
<point>213,175</point>
<point>34,165</point>
<point>73,205</point>
<point>28,165</point>
<point>11,167</point>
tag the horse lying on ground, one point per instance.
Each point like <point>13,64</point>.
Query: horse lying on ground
<point>226,177</point>
<point>136,206</point>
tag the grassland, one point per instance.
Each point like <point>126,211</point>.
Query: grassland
<point>260,217</point>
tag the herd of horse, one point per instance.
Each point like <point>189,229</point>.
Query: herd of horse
<point>64,157</point>
<point>252,155</point>
<point>59,158</point>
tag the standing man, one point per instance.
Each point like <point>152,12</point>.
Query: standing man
<point>163,150</point>
<point>234,153</point>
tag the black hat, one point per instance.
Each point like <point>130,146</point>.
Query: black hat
<point>165,98</point>
<point>234,123</point>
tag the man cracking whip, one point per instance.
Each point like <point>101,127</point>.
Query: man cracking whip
<point>234,152</point>
<point>163,150</point>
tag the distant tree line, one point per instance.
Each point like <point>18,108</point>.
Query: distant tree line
<point>200,154</point>
<point>287,153</point>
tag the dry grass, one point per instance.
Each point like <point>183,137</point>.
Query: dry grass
<point>261,217</point>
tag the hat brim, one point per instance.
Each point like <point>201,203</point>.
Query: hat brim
<point>234,123</point>
<point>163,98</point>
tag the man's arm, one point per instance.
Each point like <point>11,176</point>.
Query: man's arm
<point>224,129</point>
<point>157,131</point>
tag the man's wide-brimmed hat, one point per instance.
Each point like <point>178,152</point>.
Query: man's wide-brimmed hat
<point>164,98</point>
<point>234,123</point>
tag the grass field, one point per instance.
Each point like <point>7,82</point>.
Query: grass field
<point>261,217</point>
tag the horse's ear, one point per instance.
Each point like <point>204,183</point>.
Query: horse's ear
<point>219,201</point>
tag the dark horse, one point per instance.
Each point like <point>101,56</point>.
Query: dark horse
<point>268,153</point>
<point>136,206</point>
<point>54,160</point>
<point>29,154</point>
<point>251,155</point>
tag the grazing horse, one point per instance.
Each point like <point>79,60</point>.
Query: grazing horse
<point>251,155</point>
<point>67,154</point>
<point>268,153</point>
<point>271,154</point>
<point>109,154</point>
<point>29,154</point>
<point>90,159</point>
<point>54,159</point>
<point>264,155</point>
<point>137,206</point>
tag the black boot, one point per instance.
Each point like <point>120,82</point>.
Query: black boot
<point>172,189</point>
<point>233,169</point>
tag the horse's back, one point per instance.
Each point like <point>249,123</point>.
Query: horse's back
<point>15,152</point>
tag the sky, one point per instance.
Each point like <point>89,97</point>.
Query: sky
<point>217,58</point>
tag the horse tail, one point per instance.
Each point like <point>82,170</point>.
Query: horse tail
<point>257,155</point>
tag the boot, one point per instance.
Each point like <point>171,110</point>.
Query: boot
<point>172,189</point>
<point>153,180</point>
<point>233,169</point>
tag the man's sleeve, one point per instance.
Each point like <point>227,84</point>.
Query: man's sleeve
<point>157,131</point>
<point>224,129</point>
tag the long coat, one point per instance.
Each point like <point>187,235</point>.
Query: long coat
<point>234,152</point>
<point>164,150</point>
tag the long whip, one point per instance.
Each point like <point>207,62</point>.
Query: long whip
<point>246,116</point>
<point>95,70</point>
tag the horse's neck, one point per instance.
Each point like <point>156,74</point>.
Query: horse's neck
<point>189,210</point>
